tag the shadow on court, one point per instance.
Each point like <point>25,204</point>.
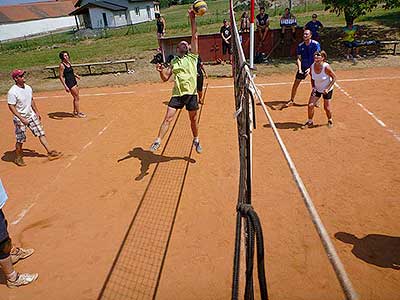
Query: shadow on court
<point>293,125</point>
<point>375,249</point>
<point>147,158</point>
<point>9,156</point>
<point>59,115</point>
<point>280,105</point>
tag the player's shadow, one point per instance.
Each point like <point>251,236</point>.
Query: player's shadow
<point>292,125</point>
<point>376,249</point>
<point>281,105</point>
<point>9,156</point>
<point>59,115</point>
<point>285,125</point>
<point>147,158</point>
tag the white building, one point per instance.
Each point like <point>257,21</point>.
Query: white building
<point>21,20</point>
<point>113,13</point>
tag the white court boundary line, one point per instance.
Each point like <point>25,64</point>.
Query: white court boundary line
<point>25,211</point>
<point>211,87</point>
<point>370,113</point>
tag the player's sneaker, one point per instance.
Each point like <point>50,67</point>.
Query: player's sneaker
<point>20,253</point>
<point>330,123</point>
<point>154,147</point>
<point>197,146</point>
<point>53,155</point>
<point>289,103</point>
<point>22,279</point>
<point>19,161</point>
<point>308,124</point>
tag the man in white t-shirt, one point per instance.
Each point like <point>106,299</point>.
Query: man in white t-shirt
<point>26,114</point>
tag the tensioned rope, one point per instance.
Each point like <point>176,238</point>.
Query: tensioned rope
<point>336,263</point>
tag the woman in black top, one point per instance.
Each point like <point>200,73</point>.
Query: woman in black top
<point>160,29</point>
<point>68,79</point>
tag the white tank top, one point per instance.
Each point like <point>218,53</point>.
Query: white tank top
<point>321,80</point>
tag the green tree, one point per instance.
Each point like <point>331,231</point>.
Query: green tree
<point>352,9</point>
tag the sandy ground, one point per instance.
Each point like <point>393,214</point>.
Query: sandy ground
<point>166,222</point>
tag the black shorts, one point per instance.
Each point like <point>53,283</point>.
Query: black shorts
<point>3,227</point>
<point>317,94</point>
<point>226,48</point>
<point>190,101</point>
<point>302,76</point>
<point>200,80</point>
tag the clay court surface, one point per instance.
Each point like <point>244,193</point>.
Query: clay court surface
<point>109,196</point>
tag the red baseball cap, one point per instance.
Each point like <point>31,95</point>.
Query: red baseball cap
<point>17,73</point>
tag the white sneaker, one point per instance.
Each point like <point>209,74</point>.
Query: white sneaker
<point>20,253</point>
<point>197,146</point>
<point>22,279</point>
<point>154,147</point>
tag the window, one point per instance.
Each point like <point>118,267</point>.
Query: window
<point>148,12</point>
<point>137,10</point>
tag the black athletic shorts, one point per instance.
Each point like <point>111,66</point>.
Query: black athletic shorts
<point>226,48</point>
<point>200,80</point>
<point>301,76</point>
<point>317,94</point>
<point>190,101</point>
<point>3,227</point>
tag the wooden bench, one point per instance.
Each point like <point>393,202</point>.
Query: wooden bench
<point>90,65</point>
<point>394,43</point>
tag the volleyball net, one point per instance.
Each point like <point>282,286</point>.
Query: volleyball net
<point>249,235</point>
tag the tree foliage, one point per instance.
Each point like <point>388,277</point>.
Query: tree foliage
<point>352,9</point>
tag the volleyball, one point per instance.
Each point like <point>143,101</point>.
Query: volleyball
<point>200,7</point>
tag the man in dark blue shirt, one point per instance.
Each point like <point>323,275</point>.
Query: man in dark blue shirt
<point>314,26</point>
<point>305,58</point>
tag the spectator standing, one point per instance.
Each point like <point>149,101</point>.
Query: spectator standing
<point>314,26</point>
<point>160,22</point>
<point>226,35</point>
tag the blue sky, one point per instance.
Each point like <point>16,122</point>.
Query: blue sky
<point>11,2</point>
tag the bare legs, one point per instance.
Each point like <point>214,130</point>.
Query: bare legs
<point>327,107</point>
<point>169,117</point>
<point>193,123</point>
<point>296,84</point>
<point>75,94</point>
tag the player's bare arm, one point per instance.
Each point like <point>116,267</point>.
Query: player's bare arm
<point>165,73</point>
<point>195,39</point>
<point>35,109</point>
<point>332,74</point>
<point>298,61</point>
<point>13,109</point>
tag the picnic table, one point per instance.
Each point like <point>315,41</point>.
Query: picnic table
<point>93,64</point>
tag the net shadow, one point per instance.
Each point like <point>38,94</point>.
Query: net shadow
<point>137,268</point>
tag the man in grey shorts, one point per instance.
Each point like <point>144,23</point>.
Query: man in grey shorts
<point>26,114</point>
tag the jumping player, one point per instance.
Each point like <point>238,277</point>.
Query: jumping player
<point>305,58</point>
<point>183,66</point>
<point>68,79</point>
<point>26,114</point>
<point>322,79</point>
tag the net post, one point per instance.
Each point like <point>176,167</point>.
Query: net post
<point>252,34</point>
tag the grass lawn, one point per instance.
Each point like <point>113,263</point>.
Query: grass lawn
<point>139,41</point>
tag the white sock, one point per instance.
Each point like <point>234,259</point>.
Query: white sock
<point>196,139</point>
<point>13,276</point>
<point>158,140</point>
